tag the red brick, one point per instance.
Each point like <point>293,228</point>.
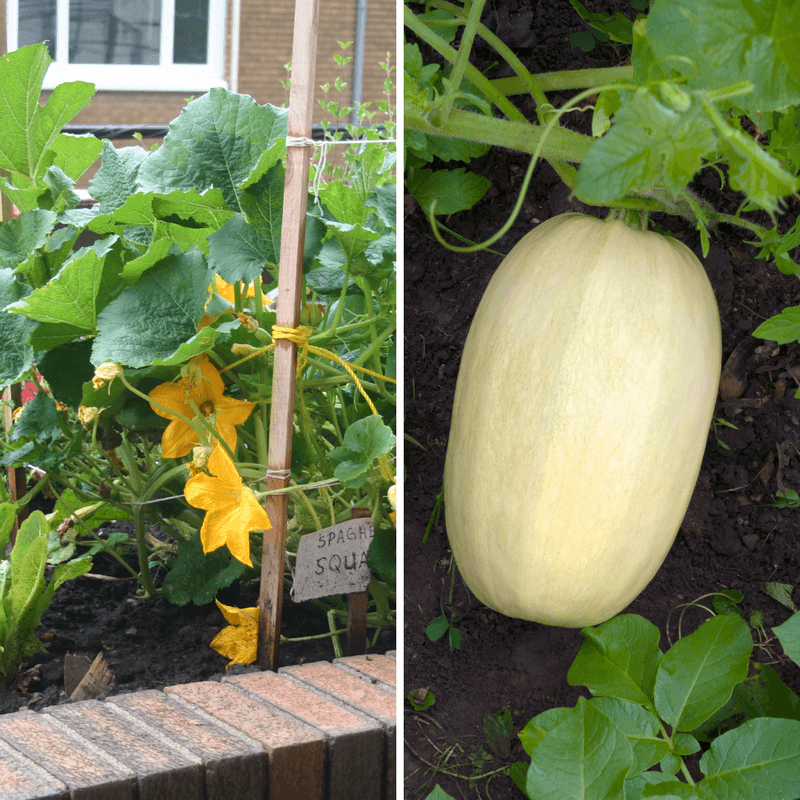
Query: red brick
<point>355,742</point>
<point>87,772</point>
<point>377,700</point>
<point>235,765</point>
<point>164,769</point>
<point>381,668</point>
<point>21,779</point>
<point>296,752</point>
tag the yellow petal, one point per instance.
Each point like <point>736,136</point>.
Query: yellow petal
<point>220,464</point>
<point>238,616</point>
<point>203,491</point>
<point>239,644</point>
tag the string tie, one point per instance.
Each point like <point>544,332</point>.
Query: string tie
<point>300,336</point>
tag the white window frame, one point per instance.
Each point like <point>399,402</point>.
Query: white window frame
<point>162,77</point>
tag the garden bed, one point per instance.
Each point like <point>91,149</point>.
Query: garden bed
<point>150,644</point>
<point>732,537</point>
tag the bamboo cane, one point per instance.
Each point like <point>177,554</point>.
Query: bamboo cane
<point>295,195</point>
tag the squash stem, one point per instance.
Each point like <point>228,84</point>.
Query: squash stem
<point>633,218</point>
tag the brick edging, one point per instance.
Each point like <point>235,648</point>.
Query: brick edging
<point>321,730</point>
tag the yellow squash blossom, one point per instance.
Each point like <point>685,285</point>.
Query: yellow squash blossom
<point>202,384</point>
<point>239,641</point>
<point>232,509</point>
<point>392,496</point>
<point>226,290</point>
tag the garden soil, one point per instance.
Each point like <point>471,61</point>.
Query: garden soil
<point>150,644</point>
<point>732,536</point>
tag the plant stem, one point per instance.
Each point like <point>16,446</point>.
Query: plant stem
<point>562,144</point>
<point>565,80</point>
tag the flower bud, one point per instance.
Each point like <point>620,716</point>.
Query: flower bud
<point>241,349</point>
<point>250,324</point>
<point>107,371</point>
<point>200,456</point>
<point>87,414</point>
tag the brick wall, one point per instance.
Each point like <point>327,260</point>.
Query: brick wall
<point>265,47</point>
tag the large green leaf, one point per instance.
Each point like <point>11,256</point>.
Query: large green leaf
<point>759,759</point>
<point>698,672</point>
<point>153,318</point>
<point>73,297</point>
<point>215,143</point>
<point>21,236</point>
<point>585,757</point>
<point>724,41</point>
<point>640,727</point>
<point>364,441</point>
<point>789,636</point>
<point>619,658</point>
<point>198,576</point>
<point>115,181</point>
<point>16,354</point>
<point>29,129</point>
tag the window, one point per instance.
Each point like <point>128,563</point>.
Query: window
<point>144,45</point>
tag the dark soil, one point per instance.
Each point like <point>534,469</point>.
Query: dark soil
<point>730,538</point>
<point>150,644</point>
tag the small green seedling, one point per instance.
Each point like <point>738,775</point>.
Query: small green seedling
<point>440,626</point>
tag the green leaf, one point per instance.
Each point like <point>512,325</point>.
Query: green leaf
<point>789,636</point>
<point>153,318</point>
<point>664,786</point>
<point>762,694</point>
<point>782,592</point>
<point>437,628</point>
<point>198,576</point>
<point>215,143</point>
<point>115,181</point>
<point>649,141</point>
<point>21,236</point>
<point>16,355</point>
<point>453,189</point>
<point>698,672</point>
<point>238,253</point>
<point>382,555</point>
<point>30,130</point>
<point>534,731</point>
<point>783,328</point>
<point>365,441</point>
<point>640,727</point>
<point>75,154</point>
<point>73,297</point>
<point>207,209</point>
<point>620,659</point>
<point>439,794</point>
<point>585,757</point>
<point>759,759</point>
<point>66,369</point>
<point>725,41</point>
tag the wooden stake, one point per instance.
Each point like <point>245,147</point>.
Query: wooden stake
<point>290,273</point>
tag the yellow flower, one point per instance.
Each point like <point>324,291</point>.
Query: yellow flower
<point>202,384</point>
<point>392,497</point>
<point>87,414</point>
<point>226,290</point>
<point>107,371</point>
<point>232,509</point>
<point>239,641</point>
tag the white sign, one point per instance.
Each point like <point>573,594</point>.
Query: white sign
<point>333,560</point>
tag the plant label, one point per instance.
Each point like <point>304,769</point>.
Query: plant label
<point>333,560</point>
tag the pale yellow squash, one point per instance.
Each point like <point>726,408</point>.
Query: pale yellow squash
<point>580,418</point>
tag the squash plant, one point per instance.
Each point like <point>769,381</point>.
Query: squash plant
<point>715,722</point>
<point>163,287</point>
